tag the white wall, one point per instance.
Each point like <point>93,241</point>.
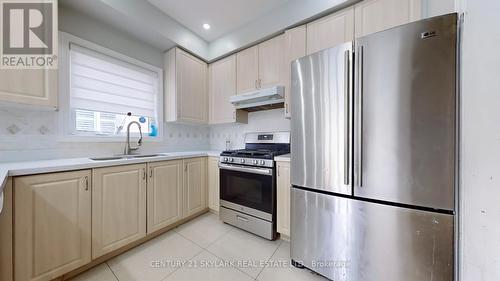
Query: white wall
<point>480,177</point>
<point>76,23</point>
<point>27,134</point>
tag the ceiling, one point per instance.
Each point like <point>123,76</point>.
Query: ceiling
<point>235,24</point>
<point>223,16</point>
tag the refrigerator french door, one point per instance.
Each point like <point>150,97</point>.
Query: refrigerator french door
<point>373,162</point>
<point>321,134</point>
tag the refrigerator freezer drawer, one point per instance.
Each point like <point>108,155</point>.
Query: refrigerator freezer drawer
<point>350,240</point>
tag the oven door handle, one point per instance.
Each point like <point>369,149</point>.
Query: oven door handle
<point>259,171</point>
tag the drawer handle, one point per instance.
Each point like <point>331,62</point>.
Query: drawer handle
<point>241,218</point>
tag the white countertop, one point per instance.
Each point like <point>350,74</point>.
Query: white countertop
<point>10,169</point>
<point>282,158</point>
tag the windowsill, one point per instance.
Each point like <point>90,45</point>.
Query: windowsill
<point>117,139</point>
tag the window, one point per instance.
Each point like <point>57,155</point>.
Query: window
<point>106,91</point>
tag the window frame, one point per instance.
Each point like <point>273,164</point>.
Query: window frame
<point>66,118</point>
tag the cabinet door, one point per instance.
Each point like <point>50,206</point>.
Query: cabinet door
<point>52,224</point>
<point>330,31</point>
<point>377,15</point>
<point>222,85</point>
<point>195,185</point>
<point>433,8</point>
<point>6,247</point>
<point>192,93</point>
<point>213,184</point>
<point>271,59</point>
<point>283,198</point>
<point>41,89</point>
<point>118,207</point>
<point>247,70</point>
<point>164,194</point>
<point>295,47</point>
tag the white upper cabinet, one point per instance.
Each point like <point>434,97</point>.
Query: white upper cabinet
<point>432,8</point>
<point>295,47</point>
<point>186,98</point>
<point>330,31</point>
<point>260,66</point>
<point>36,87</point>
<point>377,15</point>
<point>247,71</point>
<point>271,60</point>
<point>222,85</point>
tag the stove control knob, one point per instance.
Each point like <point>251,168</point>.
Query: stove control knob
<point>262,162</point>
<point>255,162</point>
<point>225,159</point>
<point>242,161</point>
<point>230,159</point>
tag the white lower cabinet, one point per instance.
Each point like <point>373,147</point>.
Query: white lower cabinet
<point>165,194</point>
<point>213,184</point>
<point>118,207</point>
<point>283,198</point>
<point>52,223</point>
<point>195,185</point>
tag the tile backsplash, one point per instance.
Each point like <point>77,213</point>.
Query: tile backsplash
<point>27,134</point>
<point>260,121</point>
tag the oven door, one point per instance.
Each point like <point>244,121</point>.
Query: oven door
<point>248,189</point>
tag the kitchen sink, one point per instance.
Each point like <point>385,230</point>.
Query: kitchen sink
<point>106,158</point>
<point>118,157</point>
<point>146,155</point>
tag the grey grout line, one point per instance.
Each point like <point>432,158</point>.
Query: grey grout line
<point>274,253</point>
<point>112,271</point>
<point>224,259</point>
<point>232,228</point>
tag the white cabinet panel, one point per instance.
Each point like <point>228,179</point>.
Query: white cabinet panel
<point>195,185</point>
<point>295,47</point>
<point>283,198</point>
<point>29,86</point>
<point>222,85</point>
<point>52,224</point>
<point>271,62</point>
<point>330,31</point>
<point>377,15</point>
<point>164,193</point>
<point>186,95</point>
<point>213,184</point>
<point>247,70</point>
<point>118,207</point>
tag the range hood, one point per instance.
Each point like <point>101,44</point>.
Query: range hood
<point>261,99</point>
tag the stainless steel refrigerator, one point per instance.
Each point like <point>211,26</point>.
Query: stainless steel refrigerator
<point>374,155</point>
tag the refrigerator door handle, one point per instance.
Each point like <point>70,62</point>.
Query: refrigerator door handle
<point>360,117</point>
<point>347,129</point>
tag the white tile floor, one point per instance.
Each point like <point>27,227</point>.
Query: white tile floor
<point>203,249</point>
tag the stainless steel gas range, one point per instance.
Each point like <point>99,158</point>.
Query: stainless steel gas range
<point>248,183</point>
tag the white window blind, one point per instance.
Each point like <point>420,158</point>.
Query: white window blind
<point>105,84</point>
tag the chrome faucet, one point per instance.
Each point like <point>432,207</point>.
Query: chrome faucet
<point>128,148</point>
